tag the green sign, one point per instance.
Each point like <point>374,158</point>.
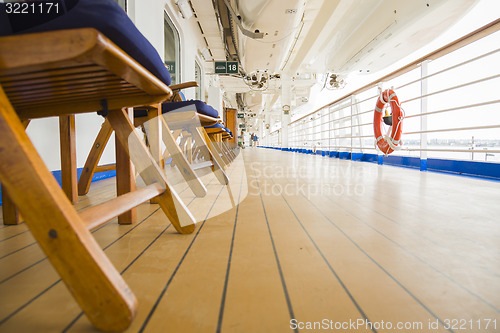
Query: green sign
<point>226,67</point>
<point>232,67</point>
<point>220,67</point>
<point>170,66</point>
<point>241,115</point>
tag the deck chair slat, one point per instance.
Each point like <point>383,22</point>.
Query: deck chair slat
<point>71,79</point>
<point>74,88</point>
<point>50,74</point>
<point>69,98</point>
<point>83,105</point>
<point>63,100</point>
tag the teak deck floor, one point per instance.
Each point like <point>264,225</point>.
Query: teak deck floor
<point>342,243</point>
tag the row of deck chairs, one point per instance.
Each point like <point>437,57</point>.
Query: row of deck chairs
<point>91,58</point>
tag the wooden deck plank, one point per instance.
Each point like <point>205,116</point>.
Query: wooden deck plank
<point>192,301</point>
<point>316,292</point>
<point>255,295</point>
<point>426,280</point>
<point>50,289</point>
<point>358,289</point>
<point>11,231</point>
<point>431,254</point>
<point>158,266</point>
<point>465,231</point>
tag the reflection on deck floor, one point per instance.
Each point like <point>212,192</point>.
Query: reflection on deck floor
<point>315,240</point>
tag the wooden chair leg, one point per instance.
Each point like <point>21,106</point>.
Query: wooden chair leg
<point>150,172</point>
<point>202,141</point>
<point>153,138</point>
<point>197,153</point>
<point>93,159</point>
<point>182,163</point>
<point>183,146</point>
<point>91,278</point>
<point>217,153</point>
<point>125,181</point>
<point>228,151</point>
<point>68,157</point>
<point>154,134</point>
<point>223,153</point>
<point>10,210</point>
<point>189,149</point>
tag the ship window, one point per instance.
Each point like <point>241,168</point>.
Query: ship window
<point>122,3</point>
<point>197,78</point>
<point>172,49</point>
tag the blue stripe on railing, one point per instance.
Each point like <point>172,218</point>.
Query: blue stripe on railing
<point>468,168</point>
<point>487,170</point>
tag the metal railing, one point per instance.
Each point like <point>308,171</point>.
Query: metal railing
<point>450,98</point>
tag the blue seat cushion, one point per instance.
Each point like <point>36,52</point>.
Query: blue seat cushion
<point>201,107</point>
<point>105,16</point>
<point>173,106</point>
<point>218,125</point>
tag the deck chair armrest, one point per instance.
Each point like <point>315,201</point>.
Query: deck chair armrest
<point>176,89</point>
<point>184,85</point>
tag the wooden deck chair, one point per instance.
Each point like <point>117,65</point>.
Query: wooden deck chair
<point>72,71</point>
<point>227,145</point>
<point>190,117</point>
<point>215,134</point>
<point>184,121</point>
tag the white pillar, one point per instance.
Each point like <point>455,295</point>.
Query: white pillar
<point>215,99</point>
<point>267,129</point>
<point>286,101</point>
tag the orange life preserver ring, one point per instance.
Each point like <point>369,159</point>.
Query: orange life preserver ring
<point>388,144</point>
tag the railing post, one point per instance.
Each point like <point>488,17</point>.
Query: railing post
<point>330,131</point>
<point>423,119</point>
<point>380,155</point>
<point>350,121</point>
<point>286,101</point>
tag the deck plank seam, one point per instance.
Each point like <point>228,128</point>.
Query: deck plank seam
<point>172,276</point>
<point>67,328</point>
<point>283,282</point>
<point>1,240</point>
<point>380,267</point>
<point>226,279</point>
<point>430,240</point>
<point>33,243</point>
<point>349,294</point>
<point>413,255</point>
<point>2,321</point>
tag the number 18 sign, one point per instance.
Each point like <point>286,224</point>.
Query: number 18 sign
<point>226,67</point>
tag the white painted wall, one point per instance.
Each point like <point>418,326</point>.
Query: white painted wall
<point>148,17</point>
<point>44,133</point>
